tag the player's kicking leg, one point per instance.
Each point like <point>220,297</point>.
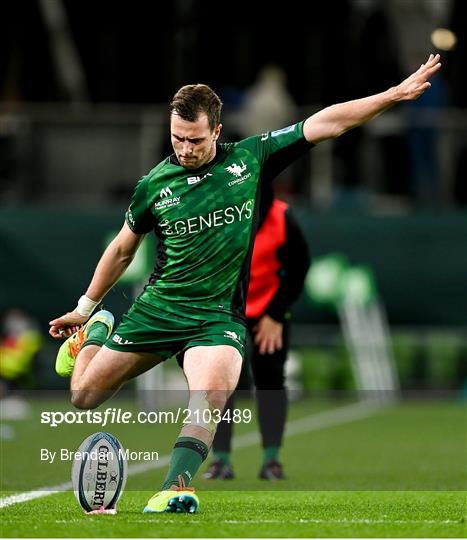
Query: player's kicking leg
<point>100,372</point>
<point>212,374</point>
<point>97,371</point>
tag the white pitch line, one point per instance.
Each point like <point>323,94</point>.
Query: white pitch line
<point>45,491</point>
<point>36,494</point>
<point>313,422</point>
<point>334,417</point>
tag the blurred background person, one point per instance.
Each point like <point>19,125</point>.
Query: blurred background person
<point>20,342</point>
<point>279,265</point>
<point>267,104</point>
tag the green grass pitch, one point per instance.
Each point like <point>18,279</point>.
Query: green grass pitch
<point>251,514</point>
<point>397,472</point>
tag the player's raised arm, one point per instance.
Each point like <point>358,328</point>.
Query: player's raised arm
<point>114,261</point>
<point>335,120</point>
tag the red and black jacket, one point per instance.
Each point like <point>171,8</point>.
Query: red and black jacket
<point>279,264</point>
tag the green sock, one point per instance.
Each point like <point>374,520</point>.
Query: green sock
<point>222,456</point>
<point>271,453</point>
<point>97,334</point>
<point>186,459</point>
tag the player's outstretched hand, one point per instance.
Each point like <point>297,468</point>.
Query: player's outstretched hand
<point>418,82</point>
<point>66,325</point>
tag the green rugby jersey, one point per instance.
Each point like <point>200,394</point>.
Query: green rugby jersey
<point>205,220</point>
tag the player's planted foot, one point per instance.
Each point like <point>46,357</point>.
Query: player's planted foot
<point>272,470</point>
<point>178,499</point>
<point>218,470</point>
<point>70,348</point>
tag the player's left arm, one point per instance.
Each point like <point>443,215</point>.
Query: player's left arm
<point>335,120</point>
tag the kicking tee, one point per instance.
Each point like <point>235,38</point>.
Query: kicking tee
<point>205,220</point>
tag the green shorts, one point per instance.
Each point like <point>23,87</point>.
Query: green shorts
<point>165,331</point>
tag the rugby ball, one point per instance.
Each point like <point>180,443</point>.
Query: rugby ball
<point>99,472</point>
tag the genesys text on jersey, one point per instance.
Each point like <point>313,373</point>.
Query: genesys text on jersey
<point>216,218</point>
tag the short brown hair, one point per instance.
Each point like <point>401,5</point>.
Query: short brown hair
<point>193,99</point>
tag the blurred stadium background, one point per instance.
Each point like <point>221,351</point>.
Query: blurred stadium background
<point>84,88</point>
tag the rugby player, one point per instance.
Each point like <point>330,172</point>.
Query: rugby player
<point>202,203</point>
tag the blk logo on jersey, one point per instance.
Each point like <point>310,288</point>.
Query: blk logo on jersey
<point>195,179</point>
<point>118,339</point>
